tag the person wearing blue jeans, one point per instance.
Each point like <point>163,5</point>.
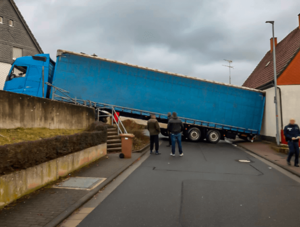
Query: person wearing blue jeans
<point>292,134</point>
<point>175,127</point>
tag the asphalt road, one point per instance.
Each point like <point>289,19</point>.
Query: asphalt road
<point>206,187</point>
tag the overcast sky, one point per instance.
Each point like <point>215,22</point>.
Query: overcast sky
<point>190,37</point>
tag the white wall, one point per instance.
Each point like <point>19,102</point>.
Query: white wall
<point>290,103</point>
<point>269,121</point>
<point>4,69</point>
<point>290,96</point>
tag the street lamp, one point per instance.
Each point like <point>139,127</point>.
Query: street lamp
<point>275,82</point>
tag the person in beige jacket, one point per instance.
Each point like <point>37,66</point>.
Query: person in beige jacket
<point>154,130</point>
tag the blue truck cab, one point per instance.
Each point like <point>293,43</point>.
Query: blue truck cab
<point>26,75</point>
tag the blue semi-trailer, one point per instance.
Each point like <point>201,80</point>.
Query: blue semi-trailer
<point>209,110</point>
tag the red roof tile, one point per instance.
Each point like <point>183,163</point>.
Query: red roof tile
<point>286,50</point>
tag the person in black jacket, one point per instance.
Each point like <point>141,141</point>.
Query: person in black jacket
<point>175,127</point>
<point>169,118</point>
<point>292,134</point>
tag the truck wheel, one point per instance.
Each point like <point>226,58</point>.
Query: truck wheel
<point>194,134</point>
<point>213,136</point>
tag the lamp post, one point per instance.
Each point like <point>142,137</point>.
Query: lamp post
<point>275,83</point>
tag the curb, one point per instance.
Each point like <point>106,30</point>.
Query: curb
<point>142,149</point>
<point>66,213</point>
<point>283,167</point>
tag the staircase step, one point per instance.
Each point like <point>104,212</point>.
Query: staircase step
<point>114,145</point>
<point>111,129</point>
<point>111,137</point>
<point>112,133</point>
<point>113,141</point>
<point>114,149</point>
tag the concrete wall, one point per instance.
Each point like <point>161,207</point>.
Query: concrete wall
<point>20,183</point>
<point>290,109</point>
<point>18,110</point>
<point>4,70</point>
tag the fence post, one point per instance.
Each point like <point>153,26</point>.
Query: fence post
<point>112,116</point>
<point>53,93</point>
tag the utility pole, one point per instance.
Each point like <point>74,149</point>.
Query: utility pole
<point>230,67</point>
<point>275,83</point>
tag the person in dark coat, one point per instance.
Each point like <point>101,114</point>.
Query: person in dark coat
<point>169,118</point>
<point>154,130</point>
<point>175,127</point>
<point>292,134</point>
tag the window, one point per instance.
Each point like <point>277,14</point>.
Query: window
<point>17,72</point>
<point>11,23</point>
<point>1,20</point>
<point>17,52</point>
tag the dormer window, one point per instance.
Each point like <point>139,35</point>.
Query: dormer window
<point>1,20</point>
<point>11,23</point>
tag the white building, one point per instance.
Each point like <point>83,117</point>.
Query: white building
<point>288,81</point>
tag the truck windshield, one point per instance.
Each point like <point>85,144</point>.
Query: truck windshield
<point>18,71</point>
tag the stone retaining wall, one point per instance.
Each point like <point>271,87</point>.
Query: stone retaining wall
<point>20,183</point>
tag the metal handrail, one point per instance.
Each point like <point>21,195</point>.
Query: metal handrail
<point>114,107</point>
<point>69,99</point>
<point>117,122</point>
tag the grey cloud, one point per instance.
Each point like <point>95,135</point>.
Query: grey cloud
<point>189,37</point>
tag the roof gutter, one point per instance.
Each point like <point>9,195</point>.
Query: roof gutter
<point>266,86</point>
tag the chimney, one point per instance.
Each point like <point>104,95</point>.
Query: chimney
<point>271,43</point>
<point>299,19</point>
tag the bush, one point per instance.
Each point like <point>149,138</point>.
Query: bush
<point>97,126</point>
<point>140,139</point>
<point>28,154</point>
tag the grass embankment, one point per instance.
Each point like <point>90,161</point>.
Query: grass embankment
<point>140,140</point>
<point>10,136</point>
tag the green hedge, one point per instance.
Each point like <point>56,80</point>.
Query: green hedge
<point>27,154</point>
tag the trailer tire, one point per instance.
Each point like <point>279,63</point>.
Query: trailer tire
<point>194,134</point>
<point>213,136</point>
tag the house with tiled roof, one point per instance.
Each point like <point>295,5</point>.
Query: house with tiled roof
<point>16,38</point>
<point>288,82</point>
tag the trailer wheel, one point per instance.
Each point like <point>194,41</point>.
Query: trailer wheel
<point>213,136</point>
<point>194,134</point>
